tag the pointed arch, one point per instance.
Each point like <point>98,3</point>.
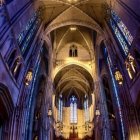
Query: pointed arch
<point>6,103</point>
<point>73,16</point>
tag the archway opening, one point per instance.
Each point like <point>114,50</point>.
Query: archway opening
<point>73,87</point>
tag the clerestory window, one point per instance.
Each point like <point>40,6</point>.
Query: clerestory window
<point>73,51</point>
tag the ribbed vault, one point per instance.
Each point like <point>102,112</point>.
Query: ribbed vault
<point>73,79</point>
<point>81,36</point>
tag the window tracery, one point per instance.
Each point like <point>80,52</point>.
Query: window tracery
<point>86,110</point>
<point>122,27</point>
<point>73,51</point>
<point>26,36</point>
<point>120,38</point>
<point>121,32</point>
<point>25,30</point>
<point>60,109</point>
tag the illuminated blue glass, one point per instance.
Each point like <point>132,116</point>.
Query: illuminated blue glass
<point>117,97</point>
<point>119,37</point>
<point>86,110</point>
<point>122,27</point>
<point>60,109</point>
<point>73,109</point>
<point>110,65</point>
<point>24,32</point>
<point>29,37</point>
<point>121,32</point>
<point>27,34</point>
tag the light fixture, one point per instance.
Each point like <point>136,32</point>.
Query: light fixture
<point>73,28</point>
<point>132,62</point>
<point>28,77</point>
<point>119,77</point>
<point>72,1</point>
<point>97,112</point>
<point>49,112</point>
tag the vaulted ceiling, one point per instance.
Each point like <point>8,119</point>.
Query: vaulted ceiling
<point>81,35</point>
<point>73,79</point>
<point>81,13</point>
<point>87,16</point>
<point>93,8</point>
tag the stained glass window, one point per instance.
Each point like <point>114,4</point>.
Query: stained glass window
<point>121,32</point>
<point>73,51</point>
<point>109,63</point>
<point>119,37</point>
<point>73,109</point>
<point>60,109</point>
<point>86,110</point>
<point>25,30</point>
<point>29,38</point>
<point>122,27</point>
<point>116,96</point>
<point>28,32</point>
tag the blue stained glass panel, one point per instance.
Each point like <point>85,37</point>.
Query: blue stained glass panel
<point>122,27</point>
<point>119,37</point>
<point>73,109</point>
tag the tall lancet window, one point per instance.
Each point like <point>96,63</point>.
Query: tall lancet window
<point>86,110</point>
<point>60,109</point>
<point>73,109</point>
<point>121,32</point>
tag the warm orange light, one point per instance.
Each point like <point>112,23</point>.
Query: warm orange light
<point>119,77</point>
<point>49,112</point>
<point>97,112</point>
<point>28,77</point>
<point>73,28</point>
<point>72,1</point>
